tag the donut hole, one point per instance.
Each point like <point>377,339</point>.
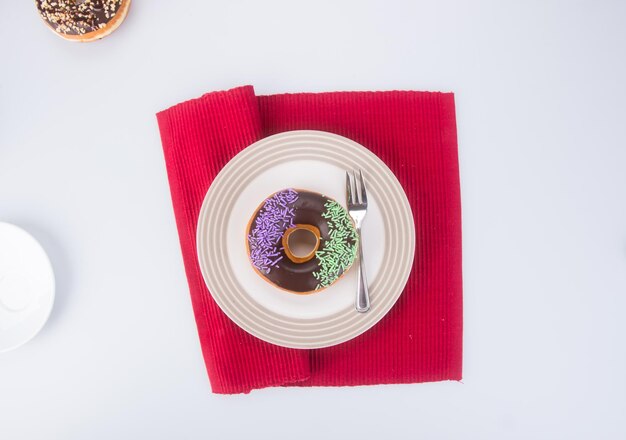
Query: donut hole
<point>301,242</point>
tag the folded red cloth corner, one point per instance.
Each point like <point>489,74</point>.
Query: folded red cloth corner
<point>414,133</point>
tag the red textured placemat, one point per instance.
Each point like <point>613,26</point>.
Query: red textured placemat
<point>414,133</point>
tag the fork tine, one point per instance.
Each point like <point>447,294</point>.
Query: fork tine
<point>363,194</point>
<point>357,191</point>
<point>348,190</point>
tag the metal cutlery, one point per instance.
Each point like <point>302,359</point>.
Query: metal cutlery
<point>356,197</point>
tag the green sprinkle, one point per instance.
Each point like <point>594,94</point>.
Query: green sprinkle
<point>339,250</point>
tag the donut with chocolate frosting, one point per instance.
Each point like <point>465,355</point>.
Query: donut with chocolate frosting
<point>301,241</point>
<point>83,20</point>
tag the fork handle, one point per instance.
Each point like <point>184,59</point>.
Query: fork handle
<point>362,304</point>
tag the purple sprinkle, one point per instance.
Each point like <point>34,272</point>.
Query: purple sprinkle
<point>276,261</point>
<point>273,219</point>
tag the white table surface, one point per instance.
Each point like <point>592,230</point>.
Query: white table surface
<point>541,108</point>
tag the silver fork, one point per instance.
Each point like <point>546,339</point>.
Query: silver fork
<point>357,208</point>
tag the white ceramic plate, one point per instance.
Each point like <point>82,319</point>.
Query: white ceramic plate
<point>315,161</point>
<point>26,287</point>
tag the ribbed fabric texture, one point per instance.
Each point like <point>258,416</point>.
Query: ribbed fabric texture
<point>414,133</point>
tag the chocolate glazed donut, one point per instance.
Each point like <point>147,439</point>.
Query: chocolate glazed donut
<point>83,20</point>
<point>301,241</point>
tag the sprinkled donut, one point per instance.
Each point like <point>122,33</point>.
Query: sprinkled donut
<point>301,241</point>
<point>83,20</point>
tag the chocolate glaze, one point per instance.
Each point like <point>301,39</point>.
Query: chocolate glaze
<point>298,277</point>
<point>77,17</point>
